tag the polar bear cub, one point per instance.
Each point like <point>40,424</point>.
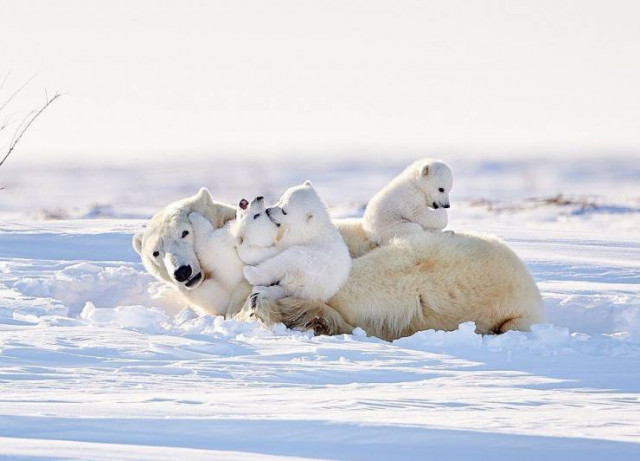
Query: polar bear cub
<point>413,202</point>
<point>222,252</point>
<point>314,261</point>
<point>256,234</point>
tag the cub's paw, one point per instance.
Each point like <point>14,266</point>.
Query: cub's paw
<point>252,274</point>
<point>199,222</point>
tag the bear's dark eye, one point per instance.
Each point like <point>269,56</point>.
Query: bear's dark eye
<point>256,216</point>
<point>156,254</point>
<point>284,212</point>
<point>185,233</point>
<point>441,189</point>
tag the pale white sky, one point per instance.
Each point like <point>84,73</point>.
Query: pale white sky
<point>170,78</point>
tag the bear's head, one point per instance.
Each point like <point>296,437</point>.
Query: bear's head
<point>253,226</point>
<point>301,212</point>
<point>166,245</point>
<point>435,179</point>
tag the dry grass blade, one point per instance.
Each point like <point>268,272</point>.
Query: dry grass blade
<point>4,80</point>
<point>24,126</point>
<point>15,93</point>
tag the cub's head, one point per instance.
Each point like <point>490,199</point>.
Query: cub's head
<point>253,226</point>
<point>435,179</point>
<point>166,245</point>
<point>301,212</point>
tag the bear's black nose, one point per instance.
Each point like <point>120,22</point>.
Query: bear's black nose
<point>182,273</point>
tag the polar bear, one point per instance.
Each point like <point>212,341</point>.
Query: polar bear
<point>413,202</point>
<point>166,248</point>
<point>418,283</point>
<point>313,261</point>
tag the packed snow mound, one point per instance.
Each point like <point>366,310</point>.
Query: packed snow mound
<point>74,285</point>
<point>543,340</point>
<point>135,317</point>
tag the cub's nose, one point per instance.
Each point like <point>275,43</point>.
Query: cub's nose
<point>182,273</point>
<point>446,206</point>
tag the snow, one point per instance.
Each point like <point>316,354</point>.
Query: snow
<point>97,361</point>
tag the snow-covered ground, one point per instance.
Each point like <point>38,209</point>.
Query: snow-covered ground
<point>93,366</point>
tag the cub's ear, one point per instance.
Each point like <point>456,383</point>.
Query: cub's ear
<point>204,196</point>
<point>425,170</point>
<point>308,183</point>
<point>137,243</point>
<point>243,204</point>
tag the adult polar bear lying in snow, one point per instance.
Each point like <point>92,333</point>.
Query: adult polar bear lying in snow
<point>429,281</point>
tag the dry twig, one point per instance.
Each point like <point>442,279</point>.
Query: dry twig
<point>26,122</point>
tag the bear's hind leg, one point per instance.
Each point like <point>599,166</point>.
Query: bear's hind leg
<point>301,314</point>
<point>517,323</point>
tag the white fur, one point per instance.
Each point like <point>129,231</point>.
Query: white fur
<point>313,261</point>
<point>251,236</point>
<point>411,203</point>
<point>163,234</point>
<point>256,233</point>
<point>433,282</point>
<point>354,236</point>
<point>216,251</point>
<point>422,282</point>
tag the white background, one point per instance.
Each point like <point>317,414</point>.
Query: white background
<point>167,79</point>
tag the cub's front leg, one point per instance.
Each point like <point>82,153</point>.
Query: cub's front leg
<point>402,228</point>
<point>201,225</point>
<point>273,270</point>
<point>432,220</point>
<point>259,275</point>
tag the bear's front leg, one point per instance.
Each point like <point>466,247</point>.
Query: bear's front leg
<point>300,314</point>
<point>272,292</point>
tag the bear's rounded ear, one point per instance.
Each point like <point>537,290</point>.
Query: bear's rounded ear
<point>204,196</point>
<point>137,243</point>
<point>308,183</point>
<point>425,170</point>
<point>243,204</point>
